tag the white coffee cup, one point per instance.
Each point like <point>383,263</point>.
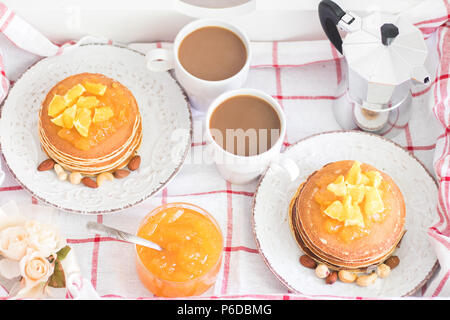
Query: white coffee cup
<point>201,92</point>
<point>244,169</point>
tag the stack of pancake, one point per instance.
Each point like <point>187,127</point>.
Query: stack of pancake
<point>345,233</point>
<point>90,124</point>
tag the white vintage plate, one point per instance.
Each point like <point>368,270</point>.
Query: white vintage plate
<point>281,252</point>
<point>166,126</point>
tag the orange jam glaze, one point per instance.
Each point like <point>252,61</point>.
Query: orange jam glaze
<point>192,251</point>
<point>325,197</point>
<point>115,97</point>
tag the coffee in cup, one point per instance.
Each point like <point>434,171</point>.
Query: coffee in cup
<point>209,57</point>
<point>212,53</point>
<point>256,127</point>
<point>245,125</point>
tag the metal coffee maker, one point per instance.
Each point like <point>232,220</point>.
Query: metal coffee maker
<point>384,56</point>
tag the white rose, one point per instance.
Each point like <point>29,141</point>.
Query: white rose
<point>35,268</point>
<point>13,242</point>
<point>44,238</point>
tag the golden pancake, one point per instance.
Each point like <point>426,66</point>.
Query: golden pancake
<point>328,240</point>
<point>90,123</point>
<point>345,265</point>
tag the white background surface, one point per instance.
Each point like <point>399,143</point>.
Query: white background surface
<point>160,20</point>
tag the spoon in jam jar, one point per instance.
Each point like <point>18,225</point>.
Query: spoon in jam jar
<point>122,235</point>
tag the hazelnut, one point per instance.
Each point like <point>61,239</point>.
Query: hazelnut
<point>322,271</point>
<point>75,177</point>
<point>383,270</point>
<point>392,262</point>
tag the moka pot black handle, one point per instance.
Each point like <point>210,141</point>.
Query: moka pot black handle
<point>330,14</point>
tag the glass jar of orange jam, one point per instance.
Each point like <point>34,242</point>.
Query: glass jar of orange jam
<point>192,245</point>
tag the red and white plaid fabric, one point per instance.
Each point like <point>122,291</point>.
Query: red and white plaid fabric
<point>303,77</point>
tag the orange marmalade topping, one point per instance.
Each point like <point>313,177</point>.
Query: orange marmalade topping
<point>352,203</point>
<point>192,244</point>
<point>88,112</point>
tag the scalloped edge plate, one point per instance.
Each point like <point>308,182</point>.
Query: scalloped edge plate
<point>276,243</point>
<point>37,66</point>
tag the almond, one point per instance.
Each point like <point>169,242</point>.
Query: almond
<point>88,182</point>
<point>307,262</point>
<point>46,165</point>
<point>121,173</point>
<point>392,262</point>
<point>134,163</point>
<point>332,277</point>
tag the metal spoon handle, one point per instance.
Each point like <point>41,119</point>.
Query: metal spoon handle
<point>121,235</point>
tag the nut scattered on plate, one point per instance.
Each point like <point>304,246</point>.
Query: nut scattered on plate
<point>363,278</point>
<point>77,178</point>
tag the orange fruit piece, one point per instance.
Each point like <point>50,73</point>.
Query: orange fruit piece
<point>354,175</point>
<point>354,217</point>
<point>82,121</point>
<point>56,106</point>
<point>87,102</point>
<point>357,193</point>
<point>375,178</point>
<point>58,120</point>
<point>364,179</point>
<point>102,114</point>
<point>324,197</point>
<point>374,203</point>
<point>74,93</point>
<point>68,116</point>
<point>336,211</point>
<point>338,187</point>
<point>95,88</point>
<point>353,214</point>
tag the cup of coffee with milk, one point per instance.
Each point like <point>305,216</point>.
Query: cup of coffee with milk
<point>245,131</point>
<point>209,57</point>
<point>245,128</point>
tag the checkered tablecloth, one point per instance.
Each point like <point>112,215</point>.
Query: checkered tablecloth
<point>303,77</point>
